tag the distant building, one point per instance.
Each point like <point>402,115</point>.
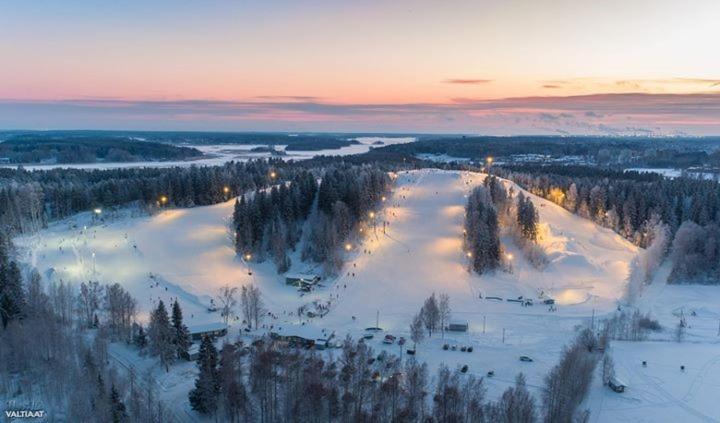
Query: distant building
<point>302,335</point>
<point>213,330</point>
<point>301,279</point>
<point>4,160</point>
<point>458,326</point>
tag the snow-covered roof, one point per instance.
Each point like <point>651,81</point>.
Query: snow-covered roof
<point>304,331</point>
<point>303,276</point>
<point>207,327</point>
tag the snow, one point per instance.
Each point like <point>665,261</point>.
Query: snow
<point>187,254</point>
<point>207,327</point>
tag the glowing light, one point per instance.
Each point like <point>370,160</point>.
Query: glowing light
<point>97,210</point>
<point>348,247</point>
<point>383,198</point>
<point>372,215</point>
<point>248,257</point>
<point>226,190</point>
<point>273,175</point>
<point>509,256</point>
<point>489,160</point>
<point>163,199</point>
<point>469,254</point>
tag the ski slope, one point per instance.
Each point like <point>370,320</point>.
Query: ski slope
<point>187,254</point>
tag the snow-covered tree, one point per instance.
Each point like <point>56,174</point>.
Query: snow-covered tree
<point>181,337</point>
<point>161,336</point>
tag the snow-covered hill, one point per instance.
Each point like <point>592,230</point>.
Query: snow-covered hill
<point>187,254</point>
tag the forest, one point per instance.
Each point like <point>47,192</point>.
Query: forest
<point>683,212</point>
<point>29,200</point>
<point>325,216</point>
<point>40,148</point>
<point>674,152</point>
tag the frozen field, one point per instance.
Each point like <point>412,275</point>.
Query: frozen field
<point>187,254</point>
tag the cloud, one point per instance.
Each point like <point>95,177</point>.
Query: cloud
<point>551,86</point>
<point>468,81</point>
<point>288,97</point>
<point>615,114</point>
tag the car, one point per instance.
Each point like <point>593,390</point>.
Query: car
<point>526,358</point>
<point>411,352</point>
<point>389,339</point>
<point>446,347</point>
<point>469,349</point>
<point>464,368</point>
<point>549,301</point>
<point>368,336</point>
<point>491,373</point>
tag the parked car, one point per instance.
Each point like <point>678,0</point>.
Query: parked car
<point>491,373</point>
<point>549,301</point>
<point>464,368</point>
<point>368,335</point>
<point>469,349</point>
<point>411,352</point>
<point>526,358</point>
<point>616,385</point>
<point>389,339</point>
<point>446,347</point>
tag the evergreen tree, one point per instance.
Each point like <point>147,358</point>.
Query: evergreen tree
<point>118,412</point>
<point>162,335</point>
<point>140,338</point>
<point>12,296</point>
<point>181,337</point>
<point>204,397</point>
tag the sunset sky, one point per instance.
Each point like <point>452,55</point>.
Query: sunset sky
<point>490,67</point>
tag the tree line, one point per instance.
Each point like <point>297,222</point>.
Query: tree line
<point>482,231</point>
<point>325,215</point>
<point>271,223</point>
<point>635,205</point>
<point>29,200</point>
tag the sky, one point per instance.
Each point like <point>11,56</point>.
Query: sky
<point>502,67</point>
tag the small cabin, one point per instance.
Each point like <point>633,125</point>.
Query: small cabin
<point>213,330</point>
<point>616,384</point>
<point>301,279</point>
<point>458,326</point>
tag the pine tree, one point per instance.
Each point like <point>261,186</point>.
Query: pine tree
<point>181,337</point>
<point>140,338</point>
<point>117,407</point>
<point>162,335</point>
<point>204,397</point>
<point>12,296</point>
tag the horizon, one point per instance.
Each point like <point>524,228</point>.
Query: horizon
<point>496,68</point>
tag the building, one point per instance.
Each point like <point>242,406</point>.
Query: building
<point>458,326</point>
<point>301,279</point>
<point>213,330</point>
<point>302,335</point>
